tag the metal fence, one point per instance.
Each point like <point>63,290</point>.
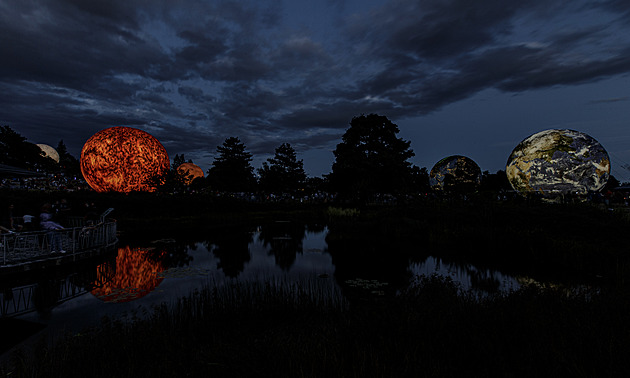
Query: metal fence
<point>29,246</point>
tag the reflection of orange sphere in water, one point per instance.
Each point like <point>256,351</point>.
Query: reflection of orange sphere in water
<point>190,169</point>
<point>135,276</point>
<point>122,159</point>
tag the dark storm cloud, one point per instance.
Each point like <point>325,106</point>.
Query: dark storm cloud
<point>316,141</point>
<point>576,73</point>
<point>225,68</point>
<point>60,44</point>
<point>193,94</point>
<point>620,7</point>
<point>610,100</point>
<point>435,29</point>
<point>154,98</point>
<point>201,48</point>
<point>434,53</point>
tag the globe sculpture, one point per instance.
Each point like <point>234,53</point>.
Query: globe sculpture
<point>455,174</point>
<point>49,151</point>
<point>554,162</point>
<point>190,172</point>
<point>123,159</point>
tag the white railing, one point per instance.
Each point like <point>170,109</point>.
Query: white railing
<point>29,246</point>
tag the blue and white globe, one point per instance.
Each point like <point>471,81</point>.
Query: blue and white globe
<point>455,174</point>
<point>558,161</point>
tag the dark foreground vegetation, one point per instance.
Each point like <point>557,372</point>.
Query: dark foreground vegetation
<point>574,325</point>
<point>265,330</point>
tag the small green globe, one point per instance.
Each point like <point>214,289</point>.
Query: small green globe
<point>558,161</point>
<point>455,174</point>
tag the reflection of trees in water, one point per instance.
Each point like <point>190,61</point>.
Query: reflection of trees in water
<point>371,257</point>
<point>231,246</point>
<point>481,278</point>
<point>315,227</point>
<point>176,253</point>
<point>284,240</point>
<point>484,279</point>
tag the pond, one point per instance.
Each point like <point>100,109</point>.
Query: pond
<point>144,273</point>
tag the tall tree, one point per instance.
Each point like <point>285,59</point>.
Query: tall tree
<point>372,159</point>
<point>611,183</point>
<point>420,179</point>
<point>283,172</point>
<point>231,169</point>
<point>177,161</point>
<point>494,182</point>
<point>169,182</point>
<point>67,162</point>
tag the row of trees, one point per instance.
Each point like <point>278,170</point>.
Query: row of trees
<point>370,159</point>
<point>232,171</point>
<point>16,151</point>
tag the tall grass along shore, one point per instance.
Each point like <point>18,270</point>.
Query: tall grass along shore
<point>286,330</point>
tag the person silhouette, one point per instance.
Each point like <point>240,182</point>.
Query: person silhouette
<point>51,226</point>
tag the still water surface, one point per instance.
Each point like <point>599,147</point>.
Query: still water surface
<point>160,271</point>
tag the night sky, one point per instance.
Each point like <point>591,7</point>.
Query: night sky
<point>462,77</point>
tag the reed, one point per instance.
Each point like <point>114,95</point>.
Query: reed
<point>280,329</point>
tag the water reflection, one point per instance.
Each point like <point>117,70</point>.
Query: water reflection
<point>284,240</point>
<point>133,274</point>
<point>41,293</point>
<point>368,266</point>
<point>362,265</point>
<point>45,295</point>
<point>231,247</point>
<point>467,275</point>
<point>174,253</point>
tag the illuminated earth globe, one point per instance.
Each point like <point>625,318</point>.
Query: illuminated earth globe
<point>558,162</point>
<point>123,159</point>
<point>191,171</point>
<point>455,174</point>
<point>49,151</point>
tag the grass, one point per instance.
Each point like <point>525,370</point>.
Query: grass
<point>282,330</point>
<point>279,329</point>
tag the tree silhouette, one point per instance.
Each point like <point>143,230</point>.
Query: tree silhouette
<point>494,182</point>
<point>231,247</point>
<point>170,181</point>
<point>67,162</point>
<point>174,181</point>
<point>371,159</point>
<point>17,152</point>
<point>231,170</point>
<point>611,183</point>
<point>285,241</point>
<point>179,160</point>
<point>420,179</point>
<point>284,173</point>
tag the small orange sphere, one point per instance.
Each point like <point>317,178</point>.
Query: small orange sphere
<point>123,159</point>
<point>192,171</point>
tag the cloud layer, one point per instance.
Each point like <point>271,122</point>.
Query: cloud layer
<point>195,72</point>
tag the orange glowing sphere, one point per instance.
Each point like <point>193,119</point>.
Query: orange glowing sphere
<point>134,275</point>
<point>192,171</point>
<point>123,159</point>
